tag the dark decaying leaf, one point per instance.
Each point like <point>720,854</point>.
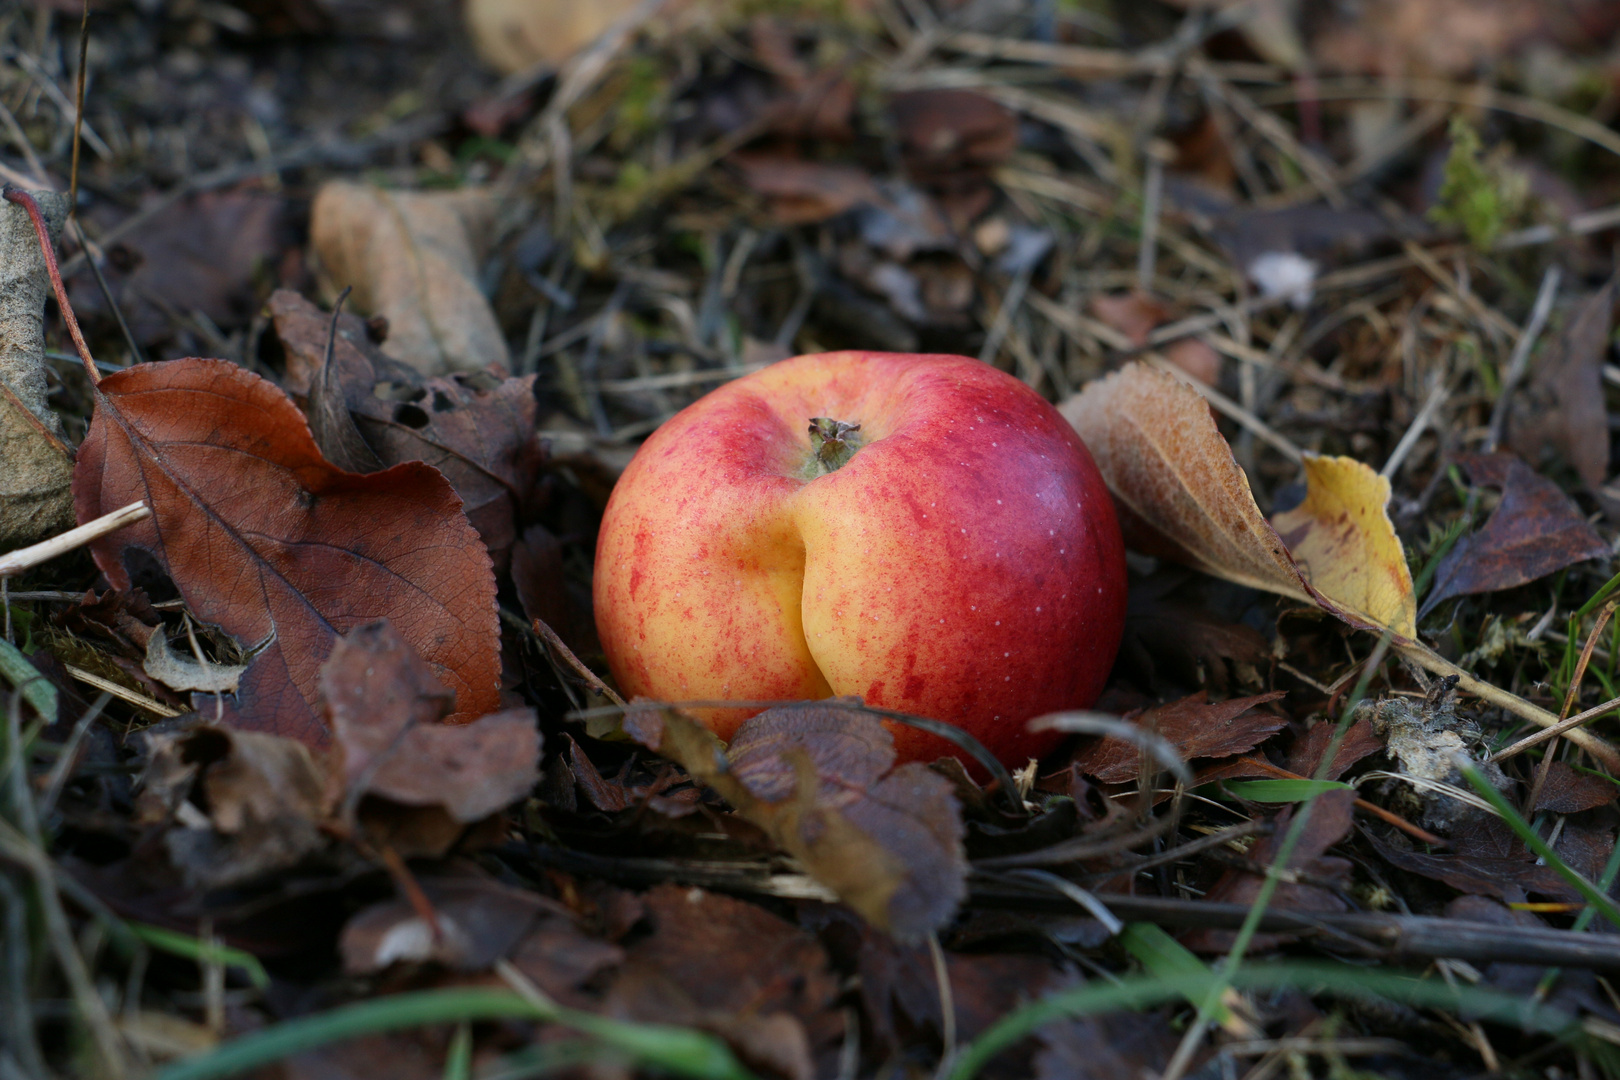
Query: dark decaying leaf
<point>385,707</point>
<point>1487,861</point>
<point>1566,791</point>
<point>1104,1047</point>
<point>264,539</point>
<point>820,780</point>
<point>733,968</point>
<point>479,921</point>
<point>1194,726</point>
<point>802,192</point>
<point>1534,531</point>
<point>1562,407</point>
<point>476,428</point>
<point>615,795</point>
<point>264,798</point>
<point>945,130</point>
<point>1166,635</point>
<point>1306,754</point>
<point>1331,818</point>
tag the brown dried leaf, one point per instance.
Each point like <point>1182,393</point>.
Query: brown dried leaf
<point>1166,633</point>
<point>804,192</point>
<point>384,707</point>
<point>820,781</point>
<point>1181,495</point>
<point>477,429</point>
<point>1566,791</point>
<point>1507,872</point>
<point>1196,728</point>
<point>514,35</point>
<point>264,800</point>
<point>265,540</point>
<point>1534,531</point>
<point>1359,742</point>
<point>1562,408</point>
<point>411,258</point>
<point>944,131</point>
<point>479,921</point>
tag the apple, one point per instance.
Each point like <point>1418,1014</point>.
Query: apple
<point>925,532</point>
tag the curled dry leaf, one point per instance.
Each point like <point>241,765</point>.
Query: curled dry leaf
<point>1194,727</point>
<point>412,258</point>
<point>1182,495</point>
<point>802,192</point>
<point>479,921</point>
<point>385,707</point>
<point>179,672</point>
<point>264,797</point>
<point>1534,531</point>
<point>267,541</point>
<point>36,498</point>
<point>820,781</point>
<point>514,35</point>
<point>477,429</point>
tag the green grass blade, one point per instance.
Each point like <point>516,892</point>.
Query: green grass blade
<point>1166,958</point>
<point>36,689</point>
<point>1282,791</point>
<point>203,952</point>
<point>679,1051</point>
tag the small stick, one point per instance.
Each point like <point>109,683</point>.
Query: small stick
<point>1519,362</point>
<point>1147,253</point>
<point>1574,688</point>
<point>34,421</point>
<point>16,562</point>
<point>26,201</point>
<point>590,677</point>
<point>78,116</point>
<point>1420,423</point>
<point>1556,730</point>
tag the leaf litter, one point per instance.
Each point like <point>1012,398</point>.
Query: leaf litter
<point>681,201</point>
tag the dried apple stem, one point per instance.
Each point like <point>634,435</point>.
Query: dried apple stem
<point>833,443</point>
<point>48,250</point>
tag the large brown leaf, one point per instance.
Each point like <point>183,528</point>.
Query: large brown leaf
<point>265,539</point>
<point>1562,408</point>
<point>1194,726</point>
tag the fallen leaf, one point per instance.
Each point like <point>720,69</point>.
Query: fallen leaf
<point>1137,313</point>
<point>36,497</point>
<point>820,781</point>
<point>1562,407</point>
<point>479,921</point>
<point>945,131</point>
<point>384,706</point>
<point>1483,865</point>
<point>1306,754</point>
<point>206,253</point>
<point>616,795</point>
<point>1194,726</point>
<point>1331,817</point>
<point>179,672</point>
<point>1436,37</point>
<point>805,192</point>
<point>1567,791</point>
<point>265,540</point>
<point>514,35</point>
<point>411,257</point>
<point>1345,545</point>
<point>477,429</point>
<point>1167,634</point>
<point>1534,531</point>
<point>1181,495</point>
<point>264,797</point>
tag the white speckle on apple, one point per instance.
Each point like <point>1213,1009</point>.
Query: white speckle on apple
<point>1006,678</point>
<point>998,622</point>
<point>1037,610</point>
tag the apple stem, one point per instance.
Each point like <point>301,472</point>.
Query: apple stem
<point>834,442</point>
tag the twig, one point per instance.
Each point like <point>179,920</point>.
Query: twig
<point>1519,362</point>
<point>1420,423</point>
<point>15,562</point>
<point>1147,252</point>
<point>1231,408</point>
<point>1556,730</point>
<point>550,637</point>
<point>78,115</point>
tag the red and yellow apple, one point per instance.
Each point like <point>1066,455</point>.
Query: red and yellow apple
<point>925,532</point>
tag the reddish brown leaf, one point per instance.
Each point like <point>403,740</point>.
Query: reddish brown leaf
<point>1534,531</point>
<point>1167,634</point>
<point>1359,742</point>
<point>943,131</point>
<point>1566,791</point>
<point>479,922</point>
<point>1562,407</point>
<point>1505,871</point>
<point>1196,728</point>
<point>384,704</point>
<point>264,539</point>
<point>803,192</point>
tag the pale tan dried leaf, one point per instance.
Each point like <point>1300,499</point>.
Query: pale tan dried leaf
<point>512,35</point>
<point>179,672</point>
<point>412,258</point>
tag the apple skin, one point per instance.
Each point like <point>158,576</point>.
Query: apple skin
<point>964,565</point>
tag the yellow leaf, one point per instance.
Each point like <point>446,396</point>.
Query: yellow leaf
<point>1345,545</point>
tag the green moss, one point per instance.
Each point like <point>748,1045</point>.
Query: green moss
<point>1480,194</point>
